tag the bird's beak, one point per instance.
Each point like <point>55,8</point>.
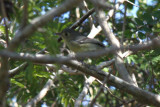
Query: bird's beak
<point>59,39</point>
<point>58,34</point>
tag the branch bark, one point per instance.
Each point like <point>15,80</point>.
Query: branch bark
<point>96,30</point>
<point>144,96</point>
<point>155,43</point>
<point>43,92</point>
<point>138,93</point>
<point>114,41</point>
<point>4,79</point>
<point>84,92</point>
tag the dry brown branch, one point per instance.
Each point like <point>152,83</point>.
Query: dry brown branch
<point>4,77</point>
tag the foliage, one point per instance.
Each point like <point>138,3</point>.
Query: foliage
<point>24,86</point>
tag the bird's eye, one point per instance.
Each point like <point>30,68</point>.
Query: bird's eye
<point>66,34</point>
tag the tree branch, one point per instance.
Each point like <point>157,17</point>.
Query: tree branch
<point>145,96</point>
<point>138,93</point>
<point>25,15</point>
<point>16,70</point>
<point>40,21</point>
<point>115,42</point>
<point>155,43</point>
<point>84,92</point>
<point>84,17</point>
<point>105,64</point>
<point>124,23</point>
<point>98,93</point>
<point>43,92</point>
<point>96,30</point>
<point>4,79</point>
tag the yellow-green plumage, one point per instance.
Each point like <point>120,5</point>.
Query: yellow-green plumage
<point>79,43</point>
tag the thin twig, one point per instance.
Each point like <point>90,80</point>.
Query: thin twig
<point>43,92</point>
<point>105,64</point>
<point>4,16</point>
<point>25,14</point>
<point>84,17</point>
<point>70,71</point>
<point>17,70</point>
<point>98,93</point>
<point>110,91</point>
<point>95,30</point>
<point>86,9</point>
<point>124,23</point>
<point>131,3</point>
<point>84,92</point>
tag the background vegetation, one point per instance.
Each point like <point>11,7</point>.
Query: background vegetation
<point>28,82</point>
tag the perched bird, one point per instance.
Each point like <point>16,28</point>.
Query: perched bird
<point>78,42</point>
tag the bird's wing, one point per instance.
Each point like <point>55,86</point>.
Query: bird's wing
<point>88,40</point>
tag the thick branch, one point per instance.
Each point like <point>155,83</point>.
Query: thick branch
<point>61,59</point>
<point>4,79</point>
<point>140,94</point>
<point>114,41</point>
<point>146,97</point>
<point>96,30</point>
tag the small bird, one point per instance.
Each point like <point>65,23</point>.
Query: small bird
<point>80,43</point>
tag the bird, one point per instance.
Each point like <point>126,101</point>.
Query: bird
<point>80,43</point>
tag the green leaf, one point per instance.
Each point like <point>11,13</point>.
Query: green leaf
<point>148,18</point>
<point>139,21</point>
<point>66,102</point>
<point>141,35</point>
<point>106,69</point>
<point>132,25</point>
<point>156,14</point>
<point>17,83</point>
<point>146,29</point>
<point>2,29</point>
<point>52,44</point>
